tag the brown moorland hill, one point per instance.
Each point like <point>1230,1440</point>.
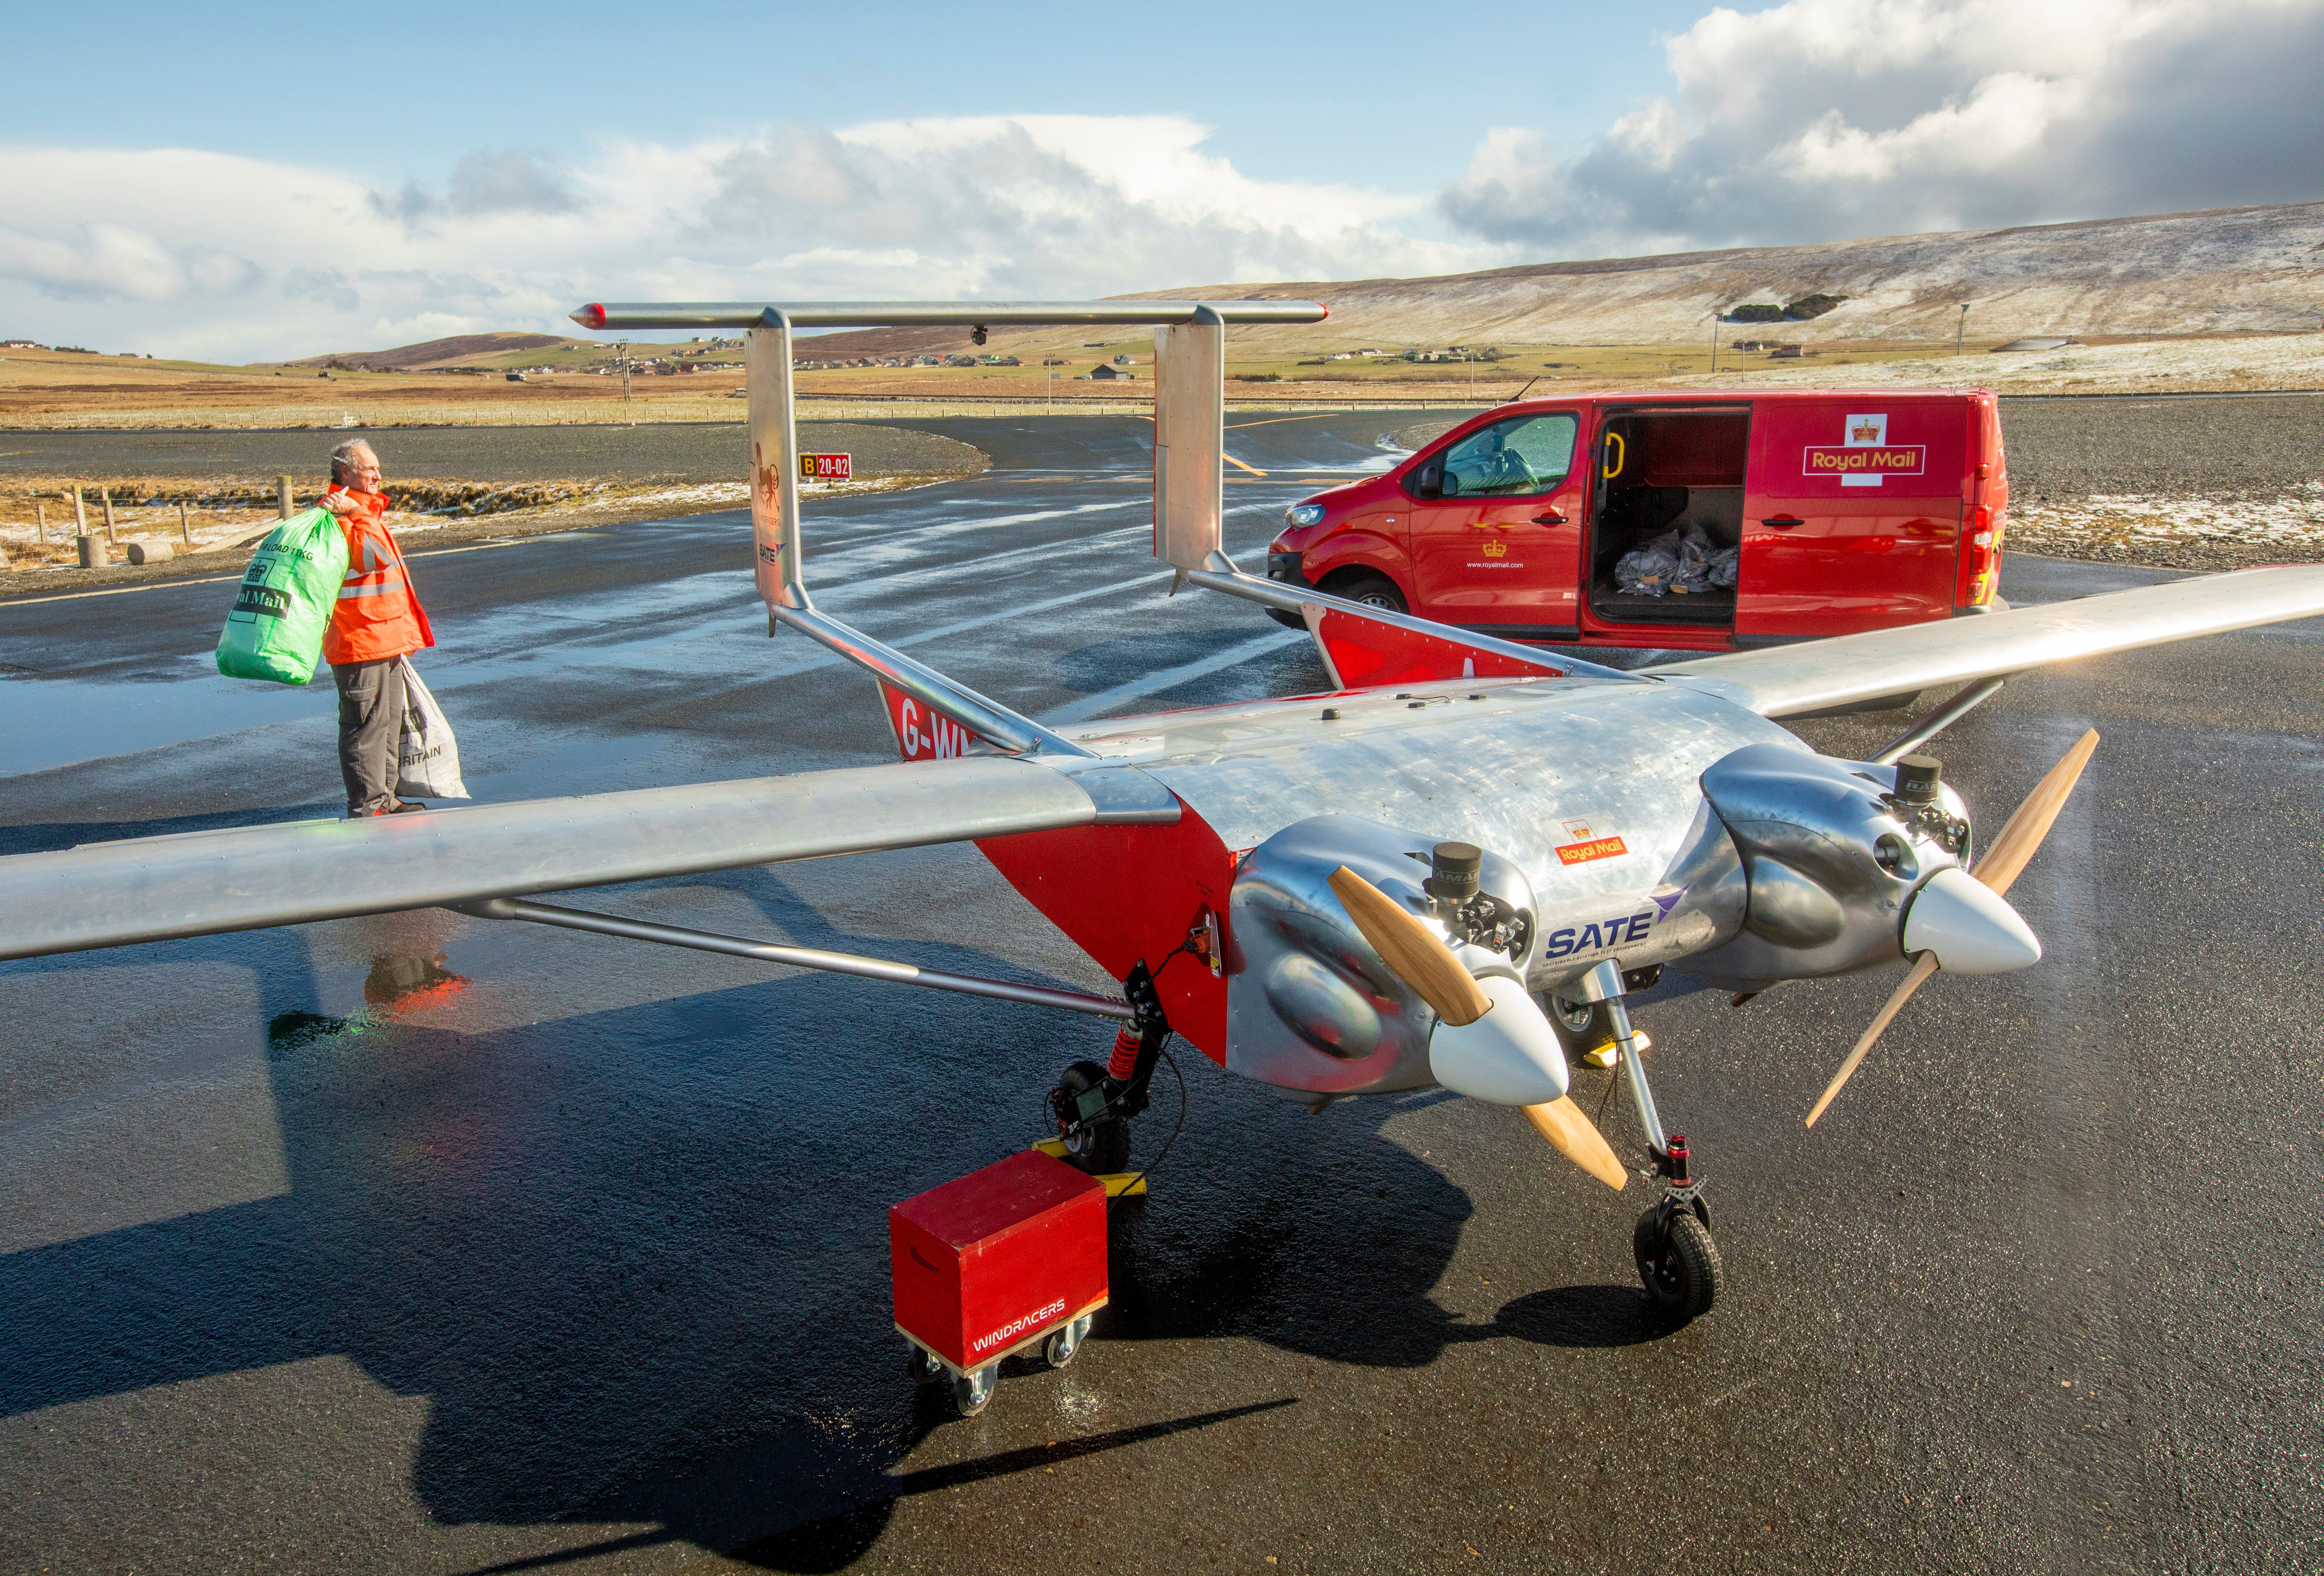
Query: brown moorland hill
<point>2238,270</point>
<point>438,352</point>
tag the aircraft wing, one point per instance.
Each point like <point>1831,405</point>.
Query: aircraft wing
<point>1783,681</point>
<point>145,889</point>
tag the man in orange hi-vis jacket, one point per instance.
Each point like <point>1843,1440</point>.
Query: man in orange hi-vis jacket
<point>377,620</point>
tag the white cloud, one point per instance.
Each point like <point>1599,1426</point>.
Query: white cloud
<point>1826,119</point>
<point>191,253</point>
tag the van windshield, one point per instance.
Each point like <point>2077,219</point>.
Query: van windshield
<point>1512,458</point>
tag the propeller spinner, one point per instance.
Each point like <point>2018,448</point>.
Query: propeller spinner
<point>1490,1042</point>
<point>1959,922</point>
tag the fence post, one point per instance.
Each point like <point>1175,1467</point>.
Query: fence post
<point>81,512</point>
<point>41,507</point>
<point>105,497</point>
<point>185,532</point>
<point>282,497</point>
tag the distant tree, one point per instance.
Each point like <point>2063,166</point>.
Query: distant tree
<point>1757,312</point>
<point>1812,306</point>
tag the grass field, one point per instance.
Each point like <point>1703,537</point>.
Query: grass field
<point>52,389</point>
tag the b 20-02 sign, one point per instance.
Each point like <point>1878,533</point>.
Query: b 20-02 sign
<point>826,467</point>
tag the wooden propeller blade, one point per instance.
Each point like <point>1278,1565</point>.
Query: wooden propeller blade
<point>1418,955</point>
<point>2020,837</point>
<point>1912,982</point>
<point>1577,1138</point>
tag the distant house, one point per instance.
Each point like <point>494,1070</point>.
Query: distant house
<point>21,344</point>
<point>1105,374</point>
<point>1784,353</point>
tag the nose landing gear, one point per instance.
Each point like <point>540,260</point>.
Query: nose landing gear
<point>1678,1261</point>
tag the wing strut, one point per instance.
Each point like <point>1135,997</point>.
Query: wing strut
<point>862,967</point>
<point>1937,721</point>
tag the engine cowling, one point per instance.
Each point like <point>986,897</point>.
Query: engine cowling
<point>1312,1008</point>
<point>1838,862</point>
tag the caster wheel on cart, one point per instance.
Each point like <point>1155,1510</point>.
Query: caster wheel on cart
<point>924,1370</point>
<point>1099,1151</point>
<point>1678,1262</point>
<point>1064,1342</point>
<point>972,1391</point>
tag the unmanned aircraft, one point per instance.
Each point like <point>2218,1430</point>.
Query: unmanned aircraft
<point>1443,872</point>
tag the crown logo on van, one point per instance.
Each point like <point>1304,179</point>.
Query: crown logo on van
<point>1866,432</point>
<point>1496,549</point>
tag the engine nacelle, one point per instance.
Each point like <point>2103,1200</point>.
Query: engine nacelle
<point>1836,858</point>
<point>1310,1006</point>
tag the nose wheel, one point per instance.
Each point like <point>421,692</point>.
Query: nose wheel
<point>1678,1262</point>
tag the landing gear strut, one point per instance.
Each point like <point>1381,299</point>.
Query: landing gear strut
<point>1093,1104</point>
<point>1678,1262</point>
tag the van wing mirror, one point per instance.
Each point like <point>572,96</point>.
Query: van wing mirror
<point>1428,481</point>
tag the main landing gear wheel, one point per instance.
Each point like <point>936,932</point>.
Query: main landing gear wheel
<point>1677,1261</point>
<point>1103,1149</point>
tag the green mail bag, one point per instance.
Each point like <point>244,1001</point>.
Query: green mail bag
<point>275,630</point>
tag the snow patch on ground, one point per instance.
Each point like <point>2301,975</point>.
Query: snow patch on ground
<point>2262,361</point>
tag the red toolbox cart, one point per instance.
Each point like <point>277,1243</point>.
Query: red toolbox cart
<point>1003,1260</point>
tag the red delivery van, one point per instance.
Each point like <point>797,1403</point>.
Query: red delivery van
<point>1704,522</point>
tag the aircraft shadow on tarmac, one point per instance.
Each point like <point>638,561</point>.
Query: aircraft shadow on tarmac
<point>636,1259</point>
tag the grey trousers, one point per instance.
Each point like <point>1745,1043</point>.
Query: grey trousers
<point>371,731</point>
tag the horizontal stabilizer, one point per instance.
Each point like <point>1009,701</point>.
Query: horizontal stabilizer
<point>149,889</point>
<point>1783,680</point>
<point>1364,651</point>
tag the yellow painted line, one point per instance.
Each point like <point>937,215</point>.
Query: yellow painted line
<point>221,580</point>
<point>1239,464</point>
<point>1272,420</point>
<point>112,591</point>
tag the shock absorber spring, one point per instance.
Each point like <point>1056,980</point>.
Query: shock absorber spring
<point>1124,1060</point>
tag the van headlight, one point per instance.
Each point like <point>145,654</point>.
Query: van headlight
<point>1304,514</point>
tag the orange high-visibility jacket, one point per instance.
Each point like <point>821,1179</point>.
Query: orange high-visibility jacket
<point>377,614</point>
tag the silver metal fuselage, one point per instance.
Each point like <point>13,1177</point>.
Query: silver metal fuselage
<point>1587,790</point>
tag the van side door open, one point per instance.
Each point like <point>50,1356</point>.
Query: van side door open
<point>1496,523</point>
<point>1853,514</point>
<point>1673,473</point>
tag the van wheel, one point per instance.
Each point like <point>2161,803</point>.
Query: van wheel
<point>1373,591</point>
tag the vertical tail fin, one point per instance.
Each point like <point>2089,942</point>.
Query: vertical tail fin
<point>1189,440</point>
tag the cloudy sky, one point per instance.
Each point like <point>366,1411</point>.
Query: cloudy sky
<point>281,181</point>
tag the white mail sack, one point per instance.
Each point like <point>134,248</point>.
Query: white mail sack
<point>427,764</point>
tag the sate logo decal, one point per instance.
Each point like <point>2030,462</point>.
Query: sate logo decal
<point>1634,925</point>
<point>1587,846</point>
<point>1863,456</point>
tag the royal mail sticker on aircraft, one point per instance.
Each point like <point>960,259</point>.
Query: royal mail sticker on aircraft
<point>1587,845</point>
<point>1863,456</point>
